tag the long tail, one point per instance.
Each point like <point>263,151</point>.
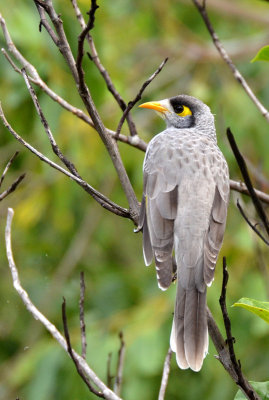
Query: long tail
<point>189,336</point>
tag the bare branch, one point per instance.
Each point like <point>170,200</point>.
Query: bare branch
<point>250,224</point>
<point>99,197</point>
<point>243,168</point>
<point>58,36</point>
<point>242,188</point>
<point>201,7</point>
<point>7,167</point>
<point>82,37</point>
<point>166,372</point>
<point>12,187</point>
<point>139,95</point>
<point>70,351</point>
<point>108,394</point>
<point>34,76</point>
<point>109,377</point>
<point>223,352</point>
<point>81,317</point>
<point>78,74</point>
<point>241,381</point>
<point>121,354</point>
<point>95,58</point>
<point>45,124</point>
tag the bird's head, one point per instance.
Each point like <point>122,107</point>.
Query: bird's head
<point>183,112</point>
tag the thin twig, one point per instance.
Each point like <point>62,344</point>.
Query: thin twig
<point>121,354</point>
<point>139,95</point>
<point>165,376</point>
<point>99,197</point>
<point>243,168</point>
<point>45,124</point>
<point>250,224</point>
<point>70,352</point>
<point>78,75</point>
<point>81,317</point>
<point>83,35</point>
<point>58,35</point>
<point>12,187</point>
<point>242,188</point>
<point>241,381</point>
<point>201,7</point>
<point>95,58</point>
<point>109,377</point>
<point>108,394</point>
<point>7,167</point>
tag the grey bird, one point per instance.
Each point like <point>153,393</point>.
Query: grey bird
<point>183,216</point>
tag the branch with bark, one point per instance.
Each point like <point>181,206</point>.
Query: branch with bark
<point>53,25</point>
<point>81,364</point>
<point>15,184</point>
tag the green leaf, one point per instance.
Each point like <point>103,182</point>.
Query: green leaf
<point>260,308</point>
<point>262,389</point>
<point>262,55</point>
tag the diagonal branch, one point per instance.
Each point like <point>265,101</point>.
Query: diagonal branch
<point>108,394</point>
<point>241,381</point>
<point>71,353</point>
<point>99,197</point>
<point>78,75</point>
<point>223,352</point>
<point>243,168</point>
<point>249,223</point>
<point>36,79</point>
<point>14,185</point>
<point>139,95</point>
<point>165,376</point>
<point>95,58</point>
<point>45,124</point>
<point>201,7</point>
<point>10,162</point>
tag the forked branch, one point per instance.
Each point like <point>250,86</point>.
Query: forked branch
<point>83,366</point>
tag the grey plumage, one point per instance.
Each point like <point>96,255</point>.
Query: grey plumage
<point>183,214</point>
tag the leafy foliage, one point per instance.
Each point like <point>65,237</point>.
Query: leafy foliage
<point>260,308</point>
<point>262,55</point>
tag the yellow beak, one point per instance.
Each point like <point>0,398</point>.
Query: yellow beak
<point>153,105</point>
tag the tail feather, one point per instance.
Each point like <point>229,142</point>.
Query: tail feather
<point>164,270</point>
<point>189,336</point>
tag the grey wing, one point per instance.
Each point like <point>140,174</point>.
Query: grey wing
<point>158,211</point>
<point>217,221</point>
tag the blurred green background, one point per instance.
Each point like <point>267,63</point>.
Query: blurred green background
<point>59,230</point>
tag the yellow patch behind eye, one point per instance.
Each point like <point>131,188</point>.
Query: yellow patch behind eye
<point>186,111</point>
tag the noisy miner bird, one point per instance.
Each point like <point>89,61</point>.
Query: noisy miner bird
<point>183,216</point>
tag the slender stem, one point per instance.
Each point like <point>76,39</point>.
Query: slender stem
<point>250,224</point>
<point>82,317</point>
<point>121,354</point>
<point>244,171</point>
<point>165,376</point>
<point>99,197</point>
<point>201,7</point>
<point>139,95</point>
<point>240,380</point>
<point>108,394</point>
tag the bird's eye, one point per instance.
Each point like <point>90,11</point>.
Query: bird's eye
<point>182,111</point>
